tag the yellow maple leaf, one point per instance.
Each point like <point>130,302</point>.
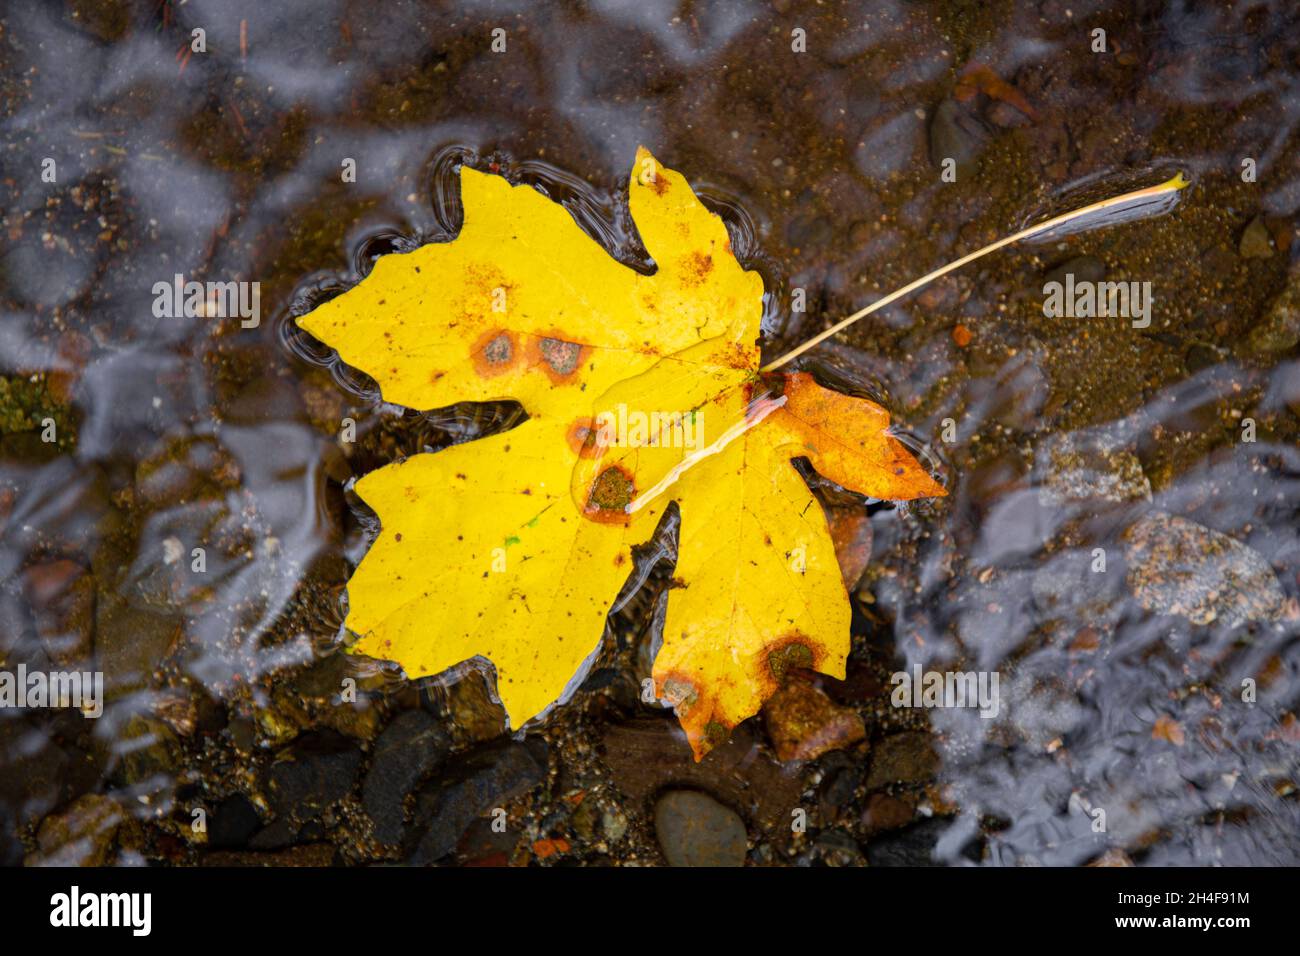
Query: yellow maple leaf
<point>513,547</point>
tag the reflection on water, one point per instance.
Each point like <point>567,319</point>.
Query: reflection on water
<point>1120,543</point>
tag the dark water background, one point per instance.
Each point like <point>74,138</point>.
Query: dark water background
<point>1122,689</point>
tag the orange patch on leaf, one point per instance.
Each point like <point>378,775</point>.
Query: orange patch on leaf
<point>612,491</point>
<point>496,351</point>
<point>559,358</point>
<point>581,437</point>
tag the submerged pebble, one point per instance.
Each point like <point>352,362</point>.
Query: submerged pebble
<point>1180,567</point>
<point>696,830</point>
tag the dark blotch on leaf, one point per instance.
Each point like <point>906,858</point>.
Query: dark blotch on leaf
<point>560,355</point>
<point>787,658</point>
<point>611,491</point>
<point>500,350</point>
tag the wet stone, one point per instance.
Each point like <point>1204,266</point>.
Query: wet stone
<point>696,830</point>
<point>1180,567</point>
<point>837,789</point>
<point>62,599</point>
<point>408,749</point>
<point>1278,329</point>
<point>908,757</point>
<point>647,755</point>
<point>149,753</point>
<point>1083,268</point>
<point>233,823</point>
<point>319,770</point>
<point>1255,241</point>
<point>884,812</point>
<point>81,835</point>
<point>1200,357</point>
<point>470,788</point>
<point>913,846</point>
<point>958,135</point>
<point>1080,467</point>
<point>804,723</point>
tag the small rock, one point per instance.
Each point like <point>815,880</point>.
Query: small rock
<point>913,846</point>
<point>1255,241</point>
<point>696,830</point>
<point>613,822</point>
<point>958,135</point>
<point>1279,329</point>
<point>106,20</point>
<point>645,756</point>
<point>481,782</point>
<point>1083,268</point>
<point>476,717</point>
<point>82,835</point>
<point>1079,467</point>
<point>884,812</point>
<point>838,786</point>
<point>908,757</point>
<point>408,749</point>
<point>1180,567</point>
<point>320,770</point>
<point>149,753</point>
<point>233,823</point>
<point>836,848</point>
<point>62,599</point>
<point>1200,357</point>
<point>804,723</point>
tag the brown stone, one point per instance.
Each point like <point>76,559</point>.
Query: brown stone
<point>804,723</point>
<point>884,812</point>
<point>62,599</point>
<point>82,835</point>
<point>903,758</point>
<point>649,755</point>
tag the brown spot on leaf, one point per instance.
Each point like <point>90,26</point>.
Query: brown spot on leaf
<point>582,437</point>
<point>611,493</point>
<point>559,357</point>
<point>789,654</point>
<point>677,692</point>
<point>494,352</point>
<point>696,268</point>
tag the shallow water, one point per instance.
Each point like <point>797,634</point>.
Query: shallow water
<point>1055,436</point>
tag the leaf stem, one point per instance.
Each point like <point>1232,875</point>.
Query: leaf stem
<point>1137,197</point>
